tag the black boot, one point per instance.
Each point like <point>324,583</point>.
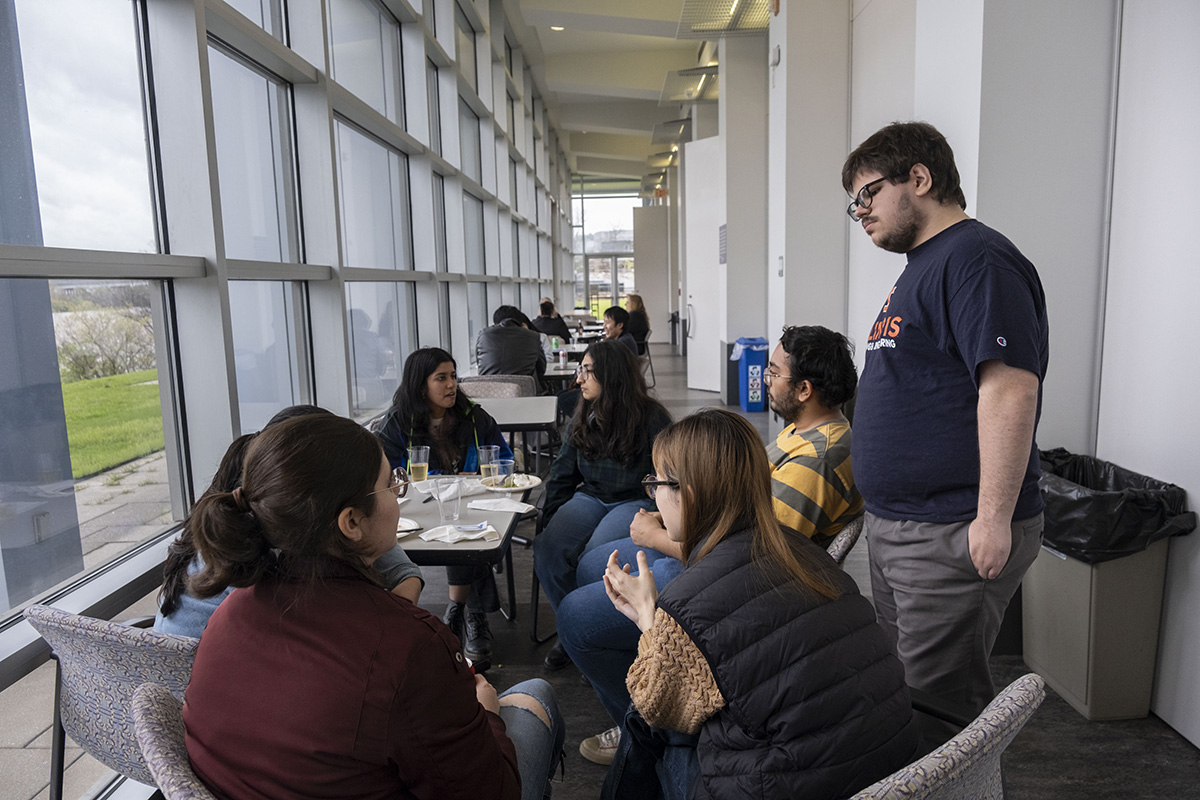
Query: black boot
<point>454,619</point>
<point>478,646</point>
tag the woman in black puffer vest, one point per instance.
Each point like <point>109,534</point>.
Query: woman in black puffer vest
<point>762,646</point>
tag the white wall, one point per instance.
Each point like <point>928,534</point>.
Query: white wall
<point>807,223</point>
<point>651,255</point>
<point>881,91</point>
<point>1150,382</point>
<point>704,211</point>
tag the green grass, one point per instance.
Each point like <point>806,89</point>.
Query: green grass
<point>112,420</point>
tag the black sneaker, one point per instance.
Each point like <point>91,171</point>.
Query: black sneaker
<point>478,646</point>
<point>557,658</point>
<point>454,619</point>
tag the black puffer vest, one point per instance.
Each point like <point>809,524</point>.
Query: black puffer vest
<point>816,705</point>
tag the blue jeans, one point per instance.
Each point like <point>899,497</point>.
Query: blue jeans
<point>651,763</point>
<point>599,639</point>
<point>581,522</point>
<point>538,746</point>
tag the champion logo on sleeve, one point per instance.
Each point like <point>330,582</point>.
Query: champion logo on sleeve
<point>1000,340</point>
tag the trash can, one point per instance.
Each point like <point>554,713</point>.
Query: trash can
<point>1092,600</point>
<point>751,354</point>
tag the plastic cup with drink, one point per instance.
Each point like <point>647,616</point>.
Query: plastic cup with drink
<point>418,462</point>
<point>489,455</point>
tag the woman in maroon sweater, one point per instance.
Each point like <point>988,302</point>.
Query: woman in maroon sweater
<point>313,680</point>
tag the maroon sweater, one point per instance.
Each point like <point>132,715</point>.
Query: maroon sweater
<point>340,691</point>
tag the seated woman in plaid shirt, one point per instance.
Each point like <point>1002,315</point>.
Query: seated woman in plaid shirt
<point>594,489</point>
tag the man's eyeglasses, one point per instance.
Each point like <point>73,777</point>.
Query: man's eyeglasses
<point>863,198</point>
<point>397,484</point>
<point>651,483</point>
<point>769,375</point>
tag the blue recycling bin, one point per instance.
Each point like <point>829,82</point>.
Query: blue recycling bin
<point>751,354</point>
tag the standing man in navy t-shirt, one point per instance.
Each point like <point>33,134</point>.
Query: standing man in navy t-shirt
<point>948,403</point>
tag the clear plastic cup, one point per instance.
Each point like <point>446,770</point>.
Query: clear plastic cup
<point>448,491</point>
<point>489,455</point>
<point>418,462</point>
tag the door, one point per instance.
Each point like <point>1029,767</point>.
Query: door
<point>704,214</point>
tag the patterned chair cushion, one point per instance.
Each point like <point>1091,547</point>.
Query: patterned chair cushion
<point>499,386</point>
<point>101,663</point>
<point>158,724</point>
<point>968,766</point>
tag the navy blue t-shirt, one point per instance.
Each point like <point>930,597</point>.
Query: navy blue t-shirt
<point>966,296</point>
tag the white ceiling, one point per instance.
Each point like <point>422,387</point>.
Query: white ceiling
<point>603,74</point>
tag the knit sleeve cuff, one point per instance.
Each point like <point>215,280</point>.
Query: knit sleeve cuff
<point>670,682</point>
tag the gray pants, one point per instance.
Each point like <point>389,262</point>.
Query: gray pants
<point>942,617</point>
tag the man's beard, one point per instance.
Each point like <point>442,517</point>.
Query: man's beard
<point>787,407</point>
<point>905,229</point>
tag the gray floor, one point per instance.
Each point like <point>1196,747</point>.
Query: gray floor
<point>1059,755</point>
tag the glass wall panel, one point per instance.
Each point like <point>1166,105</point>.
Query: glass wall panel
<point>468,126</point>
<point>473,234</point>
<point>433,99</point>
<point>254,162</point>
<point>464,36</point>
<point>514,192</point>
<point>267,14</point>
<point>376,223</point>
<point>477,313</point>
<point>441,260</point>
<point>445,329</point>
<point>366,55</point>
<point>83,476</point>
<point>82,95</point>
<point>266,349</point>
<point>382,319</point>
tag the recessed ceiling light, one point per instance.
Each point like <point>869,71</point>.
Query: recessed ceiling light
<point>556,27</point>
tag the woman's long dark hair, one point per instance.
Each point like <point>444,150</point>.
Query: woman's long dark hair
<point>227,478</point>
<point>410,403</point>
<point>283,520</point>
<point>614,424</point>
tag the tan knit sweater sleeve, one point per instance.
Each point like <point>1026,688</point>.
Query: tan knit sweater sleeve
<point>670,682</point>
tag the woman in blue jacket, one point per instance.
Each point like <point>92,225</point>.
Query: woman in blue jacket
<point>430,409</point>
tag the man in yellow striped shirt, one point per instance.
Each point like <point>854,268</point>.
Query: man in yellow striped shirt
<point>810,378</point>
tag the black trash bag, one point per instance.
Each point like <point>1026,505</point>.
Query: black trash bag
<point>1097,511</point>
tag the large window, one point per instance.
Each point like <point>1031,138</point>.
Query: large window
<point>83,476</point>
<point>440,259</point>
<point>603,239</point>
<point>464,36</point>
<point>468,127</point>
<point>477,312</point>
<point>473,234</point>
<point>268,349</point>
<point>366,56</point>
<point>251,117</point>
<point>382,319</point>
<point>376,223</point>
<point>267,14</point>
<point>433,100</point>
<point>80,85</point>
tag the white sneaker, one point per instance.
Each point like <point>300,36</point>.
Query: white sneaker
<point>601,748</point>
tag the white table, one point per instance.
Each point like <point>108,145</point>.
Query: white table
<point>523,413</point>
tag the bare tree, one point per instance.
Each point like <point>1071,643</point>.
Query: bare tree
<point>96,344</point>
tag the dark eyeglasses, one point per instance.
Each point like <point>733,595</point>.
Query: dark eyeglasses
<point>397,484</point>
<point>651,483</point>
<point>585,371</point>
<point>863,198</point>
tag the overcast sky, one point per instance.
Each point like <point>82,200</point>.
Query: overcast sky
<point>85,119</point>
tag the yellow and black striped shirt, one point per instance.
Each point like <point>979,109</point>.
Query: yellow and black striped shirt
<point>811,480</point>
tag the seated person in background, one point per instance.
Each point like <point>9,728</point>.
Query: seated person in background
<point>761,651</point>
<point>313,681</point>
<point>184,614</point>
<point>509,347</point>
<point>429,408</point>
<point>594,487</point>
<point>615,319</point>
<point>810,376</point>
<point>550,323</point>
<point>639,323</point>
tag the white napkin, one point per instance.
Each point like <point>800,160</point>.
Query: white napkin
<point>468,486</point>
<point>451,534</point>
<point>500,504</point>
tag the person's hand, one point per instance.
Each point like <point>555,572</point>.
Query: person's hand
<point>646,528</point>
<point>990,544</point>
<point>486,694</point>
<point>634,596</point>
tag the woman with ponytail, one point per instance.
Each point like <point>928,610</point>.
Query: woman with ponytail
<point>311,679</point>
<point>183,613</point>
